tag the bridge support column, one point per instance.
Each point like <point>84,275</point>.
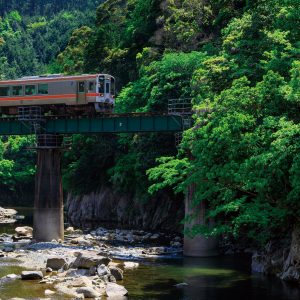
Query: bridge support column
<point>48,204</point>
<point>198,246</point>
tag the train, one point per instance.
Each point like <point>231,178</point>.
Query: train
<point>59,94</point>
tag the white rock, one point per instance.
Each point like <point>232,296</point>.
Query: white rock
<point>115,290</point>
<point>88,292</point>
<point>24,231</point>
<point>11,276</point>
<point>130,265</point>
<point>49,292</point>
<point>70,230</point>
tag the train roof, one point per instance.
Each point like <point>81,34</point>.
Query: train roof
<point>51,77</point>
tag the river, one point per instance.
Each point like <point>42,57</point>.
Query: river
<point>218,278</point>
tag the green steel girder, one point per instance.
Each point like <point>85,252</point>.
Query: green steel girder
<point>105,124</point>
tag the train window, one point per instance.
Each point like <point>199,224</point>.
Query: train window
<point>17,90</point>
<point>30,90</point>
<point>4,91</point>
<point>101,85</point>
<point>107,88</point>
<point>113,86</point>
<point>81,87</point>
<point>43,89</point>
<point>91,86</point>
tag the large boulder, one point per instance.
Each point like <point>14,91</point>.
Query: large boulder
<point>86,261</point>
<point>115,290</point>
<point>31,275</point>
<point>56,263</point>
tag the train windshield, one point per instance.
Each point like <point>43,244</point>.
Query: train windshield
<point>101,84</point>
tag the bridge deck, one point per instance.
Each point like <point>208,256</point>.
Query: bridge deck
<point>130,123</point>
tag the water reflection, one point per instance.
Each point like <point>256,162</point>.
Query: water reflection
<point>27,212</point>
<point>207,279</point>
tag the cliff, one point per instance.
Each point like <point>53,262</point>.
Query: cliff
<point>105,206</point>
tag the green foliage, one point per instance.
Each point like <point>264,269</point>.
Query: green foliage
<point>245,148</point>
<point>17,164</point>
<point>29,43</point>
<point>170,172</point>
<point>168,78</point>
<point>73,56</point>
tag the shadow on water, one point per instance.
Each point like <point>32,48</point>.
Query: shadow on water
<point>206,279</point>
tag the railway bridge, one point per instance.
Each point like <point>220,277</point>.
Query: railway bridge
<point>50,132</point>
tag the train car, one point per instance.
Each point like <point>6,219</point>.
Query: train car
<point>59,94</point>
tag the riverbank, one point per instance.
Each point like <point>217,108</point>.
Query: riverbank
<point>151,262</point>
<point>84,265</point>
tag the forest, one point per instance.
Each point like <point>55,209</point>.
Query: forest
<point>237,60</point>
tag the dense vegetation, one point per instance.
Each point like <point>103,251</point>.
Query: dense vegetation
<point>237,59</point>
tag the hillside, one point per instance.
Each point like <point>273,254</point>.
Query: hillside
<point>238,59</point>
<point>33,33</point>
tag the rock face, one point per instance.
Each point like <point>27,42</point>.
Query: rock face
<point>280,258</point>
<point>291,267</point>
<point>161,212</point>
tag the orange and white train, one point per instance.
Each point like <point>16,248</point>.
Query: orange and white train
<point>59,94</point>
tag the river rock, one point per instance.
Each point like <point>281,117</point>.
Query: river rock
<point>181,285</point>
<point>24,231</point>
<point>70,230</point>
<point>7,215</point>
<point>56,263</point>
<point>82,241</point>
<point>31,275</point>
<point>49,292</point>
<point>85,261</point>
<point>103,270</point>
<point>116,272</point>
<point>115,290</point>
<point>11,276</point>
<point>88,292</point>
<point>78,272</point>
<point>130,265</point>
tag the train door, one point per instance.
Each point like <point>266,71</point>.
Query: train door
<point>81,92</point>
<point>107,90</point>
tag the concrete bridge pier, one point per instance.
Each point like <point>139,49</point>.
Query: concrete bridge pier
<point>48,221</point>
<point>198,246</point>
